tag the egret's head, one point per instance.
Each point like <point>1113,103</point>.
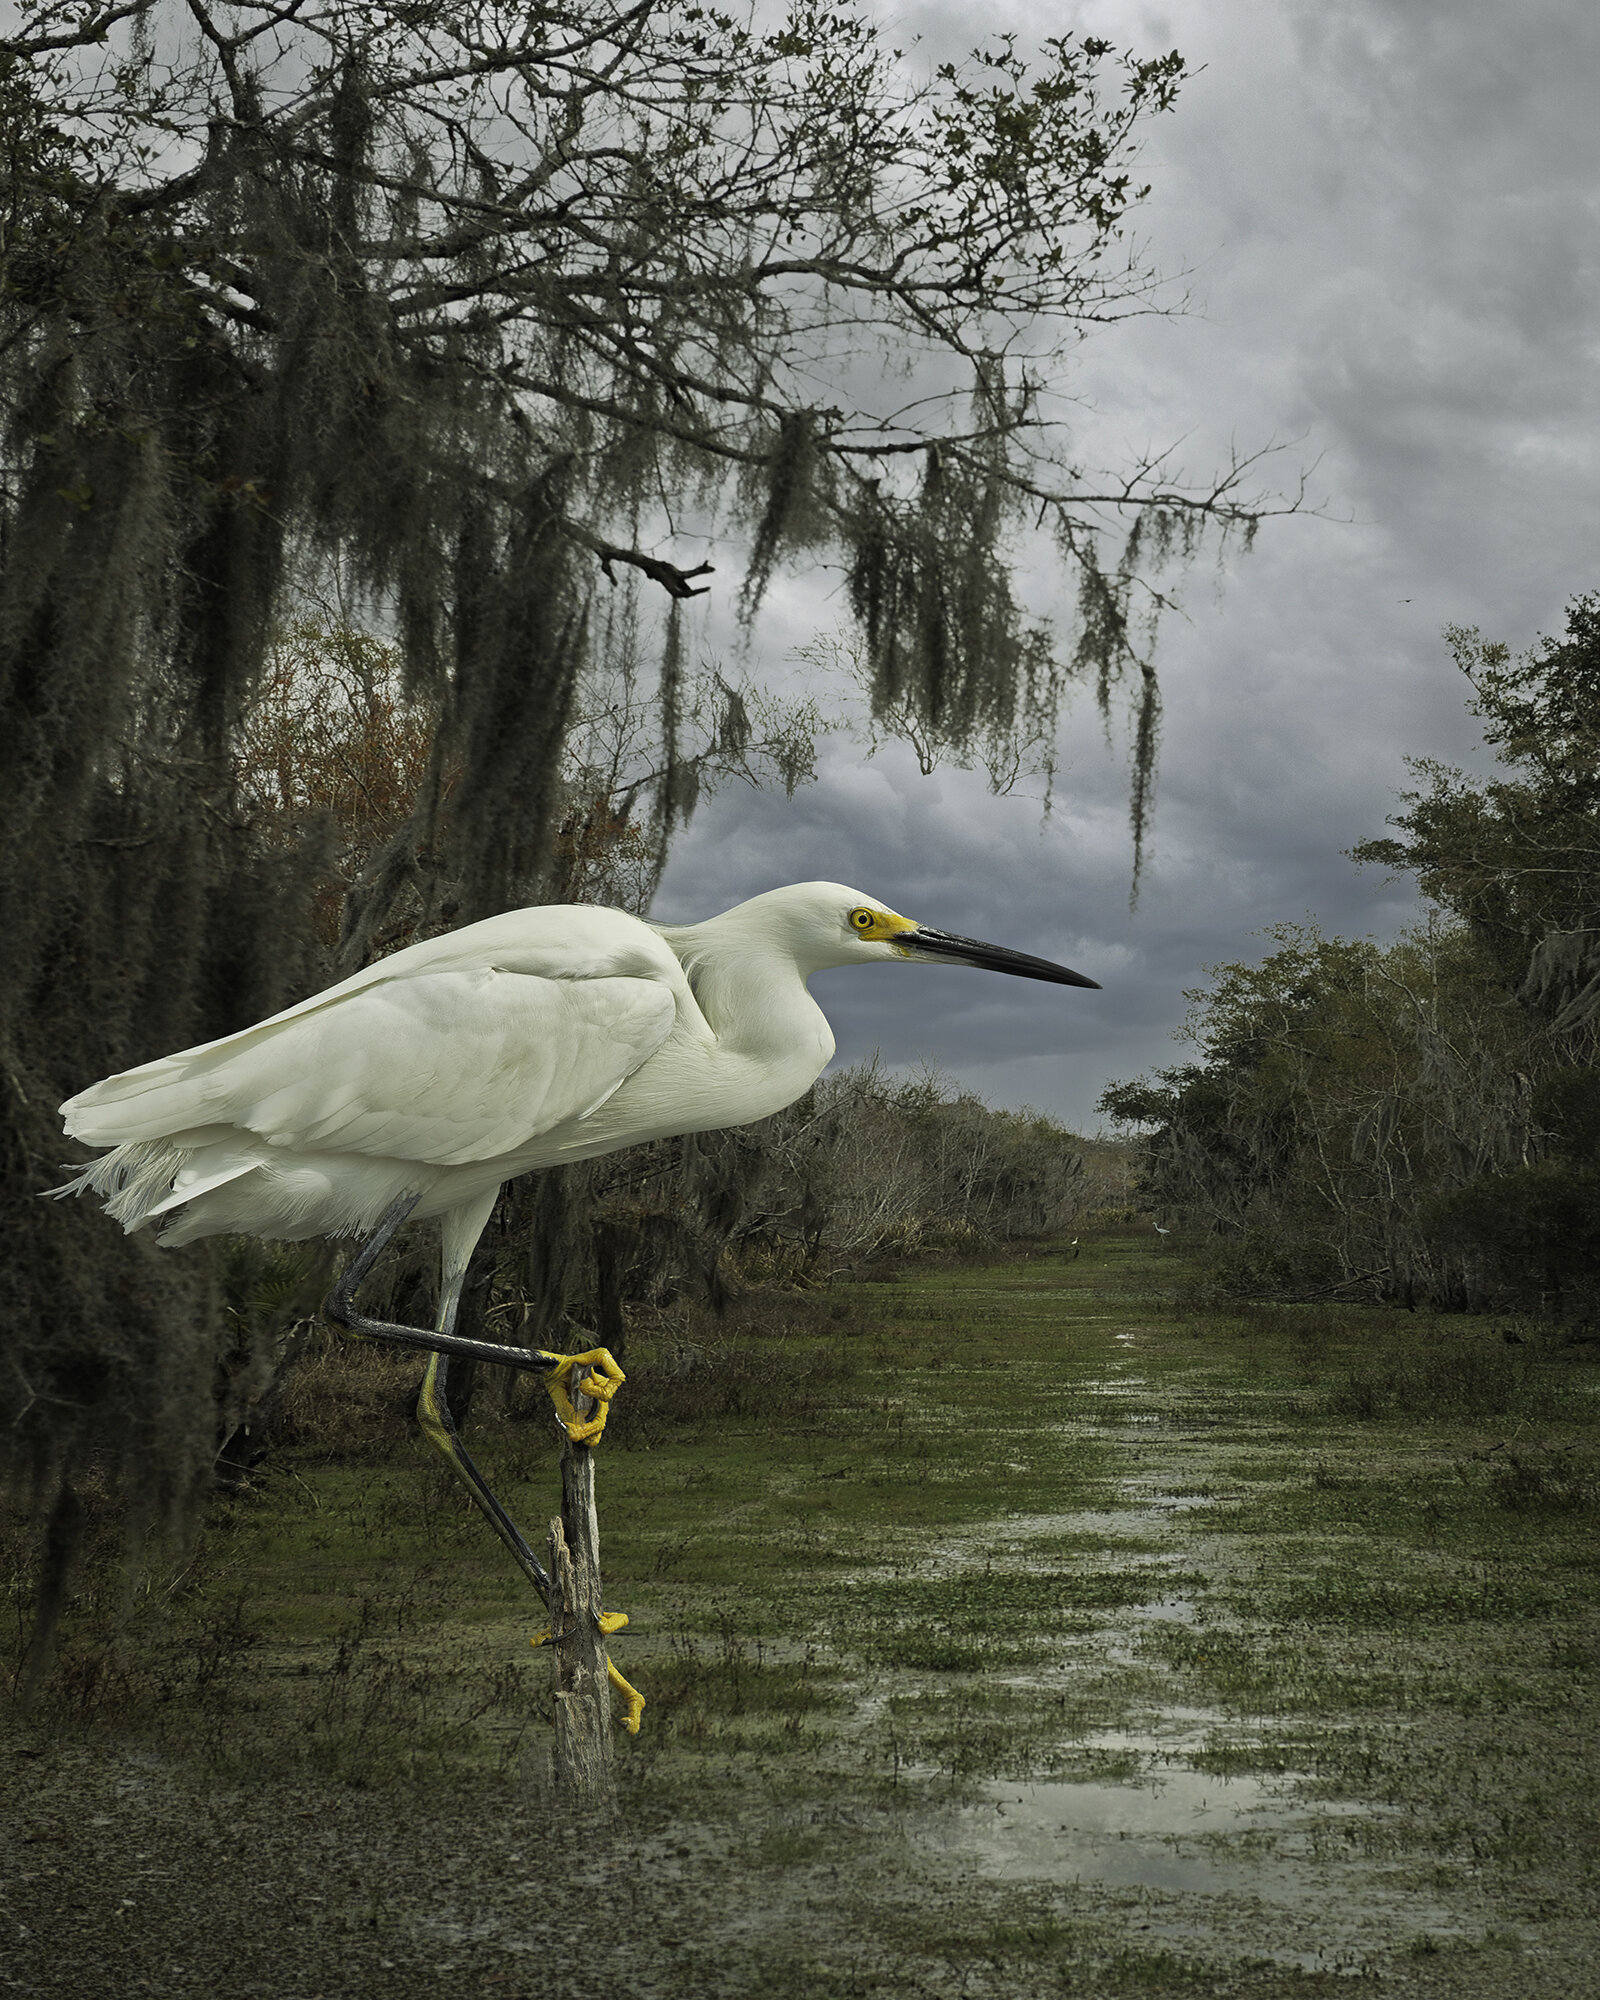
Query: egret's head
<point>825,924</point>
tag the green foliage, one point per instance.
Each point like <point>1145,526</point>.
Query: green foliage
<point>1343,1084</point>
<point>1516,858</point>
<point>1422,1119</point>
<point>1566,1111</point>
<point>866,1636</point>
<point>1534,1230</point>
<point>1445,1381</point>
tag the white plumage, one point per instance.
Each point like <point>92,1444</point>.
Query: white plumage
<point>540,1036</point>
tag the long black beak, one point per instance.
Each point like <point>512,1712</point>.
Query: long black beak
<point>991,957</point>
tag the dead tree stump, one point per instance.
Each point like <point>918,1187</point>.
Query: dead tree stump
<point>582,1765</point>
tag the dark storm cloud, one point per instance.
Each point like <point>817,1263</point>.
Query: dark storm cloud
<point>1388,216</point>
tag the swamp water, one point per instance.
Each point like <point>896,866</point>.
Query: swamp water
<point>1063,1643</point>
<point>1252,1857</point>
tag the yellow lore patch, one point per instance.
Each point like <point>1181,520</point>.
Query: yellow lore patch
<point>878,926</point>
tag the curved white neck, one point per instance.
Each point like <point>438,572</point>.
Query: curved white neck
<point>755,1001</point>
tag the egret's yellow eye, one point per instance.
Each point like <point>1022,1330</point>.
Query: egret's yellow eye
<point>864,920</point>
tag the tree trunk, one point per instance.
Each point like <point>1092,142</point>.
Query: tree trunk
<point>582,1766</point>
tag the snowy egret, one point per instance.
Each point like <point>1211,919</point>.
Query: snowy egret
<point>419,1085</point>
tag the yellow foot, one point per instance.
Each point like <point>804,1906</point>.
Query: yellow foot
<point>608,1621</point>
<point>630,1695</point>
<point>611,1621</point>
<point>602,1382</point>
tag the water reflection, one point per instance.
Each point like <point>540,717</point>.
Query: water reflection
<point>1165,1826</point>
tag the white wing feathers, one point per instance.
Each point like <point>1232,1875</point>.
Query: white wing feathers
<point>449,1066</point>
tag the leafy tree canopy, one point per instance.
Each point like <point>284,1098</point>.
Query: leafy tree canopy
<point>1518,858</point>
<point>1422,1118</point>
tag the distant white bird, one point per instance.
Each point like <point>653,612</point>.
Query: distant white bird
<point>418,1086</point>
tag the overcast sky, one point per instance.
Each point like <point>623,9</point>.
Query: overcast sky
<point>1388,216</point>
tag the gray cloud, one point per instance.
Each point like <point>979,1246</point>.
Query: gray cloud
<point>1388,216</point>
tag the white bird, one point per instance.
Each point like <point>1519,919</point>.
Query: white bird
<point>419,1085</point>
<point>527,1040</point>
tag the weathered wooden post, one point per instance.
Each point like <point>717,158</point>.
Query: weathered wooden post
<point>582,1766</point>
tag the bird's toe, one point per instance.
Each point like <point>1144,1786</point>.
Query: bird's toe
<point>600,1380</point>
<point>630,1695</point>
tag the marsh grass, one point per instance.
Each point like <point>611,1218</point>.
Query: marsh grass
<point>346,1403</point>
<point>884,1544</point>
<point>1557,1480</point>
<point>1469,1378</point>
<point>683,1384</point>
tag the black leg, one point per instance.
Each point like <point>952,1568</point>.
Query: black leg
<point>438,1427</point>
<point>433,1408</point>
<point>340,1307</point>
<point>461,1229</point>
